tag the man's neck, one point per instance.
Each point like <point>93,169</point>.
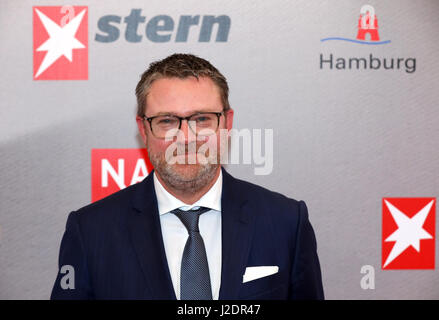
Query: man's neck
<point>187,196</point>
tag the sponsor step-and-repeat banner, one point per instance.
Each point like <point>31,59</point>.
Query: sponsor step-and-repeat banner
<point>335,104</point>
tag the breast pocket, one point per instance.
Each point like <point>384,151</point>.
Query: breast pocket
<point>263,286</point>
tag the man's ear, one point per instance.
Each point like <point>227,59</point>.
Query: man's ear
<point>229,118</point>
<point>142,129</point>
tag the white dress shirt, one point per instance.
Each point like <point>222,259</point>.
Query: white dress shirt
<point>175,233</point>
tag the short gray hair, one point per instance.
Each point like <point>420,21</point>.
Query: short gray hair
<point>180,66</point>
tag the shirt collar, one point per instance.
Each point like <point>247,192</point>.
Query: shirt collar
<point>167,202</point>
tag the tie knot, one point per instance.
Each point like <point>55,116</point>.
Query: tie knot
<point>190,218</point>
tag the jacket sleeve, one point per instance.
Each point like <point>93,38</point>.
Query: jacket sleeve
<point>72,281</point>
<point>306,277</point>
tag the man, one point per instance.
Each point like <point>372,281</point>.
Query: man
<point>189,230</point>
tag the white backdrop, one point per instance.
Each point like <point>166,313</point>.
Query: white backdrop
<point>343,139</point>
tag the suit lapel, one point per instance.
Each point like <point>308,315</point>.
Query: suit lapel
<point>237,232</point>
<point>146,236</point>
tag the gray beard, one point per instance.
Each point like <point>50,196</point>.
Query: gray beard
<point>203,177</point>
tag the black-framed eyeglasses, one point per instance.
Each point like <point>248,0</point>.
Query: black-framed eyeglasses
<point>200,123</point>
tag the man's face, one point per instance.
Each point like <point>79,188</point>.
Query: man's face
<point>184,97</point>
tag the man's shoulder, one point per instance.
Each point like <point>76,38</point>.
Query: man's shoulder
<point>258,194</point>
<point>111,207</point>
<point>271,207</point>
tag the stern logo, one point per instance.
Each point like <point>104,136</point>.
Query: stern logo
<point>408,234</point>
<point>60,43</point>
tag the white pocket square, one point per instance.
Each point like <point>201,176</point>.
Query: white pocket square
<point>253,273</point>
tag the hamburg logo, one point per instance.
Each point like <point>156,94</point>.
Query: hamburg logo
<point>408,239</point>
<point>60,43</point>
<point>116,169</point>
<point>367,28</point>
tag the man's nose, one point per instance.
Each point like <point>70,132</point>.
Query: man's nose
<point>186,135</point>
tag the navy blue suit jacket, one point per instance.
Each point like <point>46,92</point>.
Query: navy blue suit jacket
<point>116,249</point>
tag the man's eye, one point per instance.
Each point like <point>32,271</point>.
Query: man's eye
<point>167,121</point>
